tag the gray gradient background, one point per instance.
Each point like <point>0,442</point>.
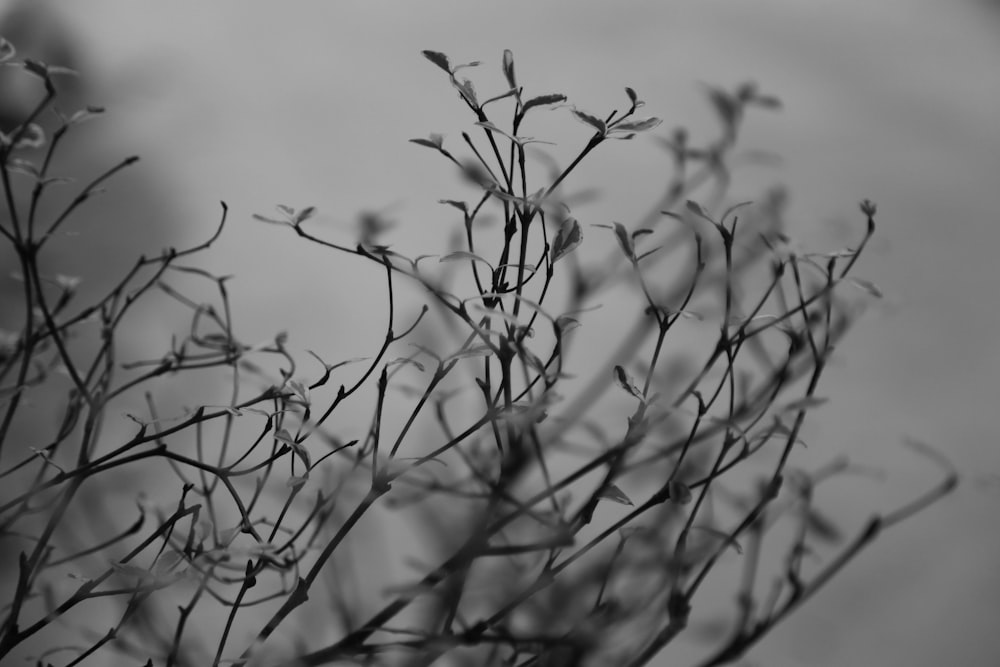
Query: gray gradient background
<point>311,103</point>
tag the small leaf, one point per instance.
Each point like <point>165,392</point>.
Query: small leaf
<point>439,59</point>
<point>297,481</point>
<point>132,571</point>
<point>646,254</point>
<point>724,105</point>
<point>464,254</point>
<point>476,174</point>
<point>302,453</point>
<point>822,527</point>
<point>633,98</point>
<point>478,351</point>
<point>769,102</point>
<point>530,268</point>
<point>867,286</point>
<point>436,141</point>
<point>64,71</point>
<point>67,283</point>
<point>7,50</point>
<point>722,535</point>
<point>468,91</point>
<point>624,240</point>
<point>508,68</point>
<point>33,136</point>
<point>300,390</point>
<point>403,360</point>
<point>167,562</point>
<point>695,208</point>
<point>542,100</point>
<point>270,221</point>
<point>84,114</point>
<point>566,324</point>
<point>567,239</point>
<point>460,205</point>
<point>625,382</point>
<point>429,352</point>
<point>493,128</point>
<point>638,125</point>
<point>37,68</point>
<point>804,403</point>
<point>303,215</point>
<point>593,121</point>
<point>613,493</point>
<point>679,492</point>
<point>227,536</point>
<point>281,435</point>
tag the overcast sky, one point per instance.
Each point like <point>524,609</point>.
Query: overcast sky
<point>312,103</point>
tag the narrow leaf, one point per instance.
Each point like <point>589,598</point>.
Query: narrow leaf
<point>638,125</point>
<point>404,360</point>
<point>478,351</point>
<point>646,254</point>
<point>501,96</point>
<point>304,214</point>
<point>543,100</point>
<point>493,128</point>
<point>695,208</point>
<point>567,239</point>
<point>228,535</point>
<point>33,136</point>
<point>822,527</point>
<point>296,481</point>
<point>613,493</point>
<point>460,205</point>
<point>722,535</point>
<point>724,105</point>
<point>468,91</point>
<point>167,562</point>
<point>464,254</point>
<point>439,59</point>
<point>867,286</point>
<point>508,68</point>
<point>625,382</point>
<point>425,142</point>
<point>766,102</point>
<point>303,453</point>
<point>37,68</point>
<point>566,324</point>
<point>300,390</point>
<point>624,240</point>
<point>6,50</point>
<point>271,221</point>
<point>804,403</point>
<point>593,121</point>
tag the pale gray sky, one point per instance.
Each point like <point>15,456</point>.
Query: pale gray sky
<point>312,103</point>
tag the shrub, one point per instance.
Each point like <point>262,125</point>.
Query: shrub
<point>560,519</point>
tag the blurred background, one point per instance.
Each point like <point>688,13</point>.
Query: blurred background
<point>312,103</point>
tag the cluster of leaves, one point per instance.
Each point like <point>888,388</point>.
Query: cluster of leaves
<point>570,539</point>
